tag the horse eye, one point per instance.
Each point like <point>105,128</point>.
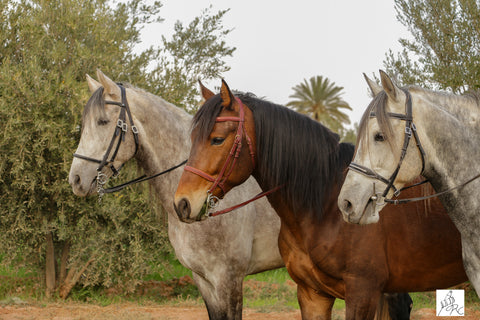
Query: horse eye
<point>217,141</point>
<point>379,137</point>
<point>102,122</point>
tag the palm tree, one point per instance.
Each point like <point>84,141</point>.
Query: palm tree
<point>321,99</point>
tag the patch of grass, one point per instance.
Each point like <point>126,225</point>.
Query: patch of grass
<point>169,269</point>
<point>270,291</point>
<point>423,299</point>
<point>20,282</point>
<point>275,276</point>
<point>339,304</point>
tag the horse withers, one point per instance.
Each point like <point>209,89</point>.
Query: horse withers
<point>301,164</point>
<point>219,252</point>
<point>410,131</point>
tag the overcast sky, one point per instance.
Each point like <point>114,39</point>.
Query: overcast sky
<point>280,43</point>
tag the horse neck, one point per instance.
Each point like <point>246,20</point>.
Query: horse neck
<point>301,220</point>
<point>163,143</point>
<point>449,128</point>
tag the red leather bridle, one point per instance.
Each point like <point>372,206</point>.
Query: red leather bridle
<point>227,169</point>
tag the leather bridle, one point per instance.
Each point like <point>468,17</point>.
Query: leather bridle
<point>227,169</point>
<point>410,129</point>
<point>121,130</point>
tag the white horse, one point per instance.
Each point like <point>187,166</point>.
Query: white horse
<point>444,130</point>
<point>221,251</point>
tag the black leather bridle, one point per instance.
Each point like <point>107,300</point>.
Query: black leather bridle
<point>121,130</point>
<point>410,129</point>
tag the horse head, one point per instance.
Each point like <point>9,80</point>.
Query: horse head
<point>108,137</point>
<point>222,155</point>
<point>384,160</point>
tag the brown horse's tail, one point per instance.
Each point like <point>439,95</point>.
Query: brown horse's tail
<point>394,306</point>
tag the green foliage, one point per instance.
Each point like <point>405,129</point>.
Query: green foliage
<point>46,48</point>
<point>443,51</point>
<point>349,134</point>
<point>321,99</point>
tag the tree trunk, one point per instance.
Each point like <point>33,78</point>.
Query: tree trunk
<point>50,266</point>
<point>64,261</point>
<point>72,278</point>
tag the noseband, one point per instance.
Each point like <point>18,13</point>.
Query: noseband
<point>220,180</point>
<point>410,129</point>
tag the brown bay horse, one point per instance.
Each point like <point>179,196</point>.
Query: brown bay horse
<point>414,247</point>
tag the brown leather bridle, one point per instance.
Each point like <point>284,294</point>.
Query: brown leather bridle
<point>227,169</point>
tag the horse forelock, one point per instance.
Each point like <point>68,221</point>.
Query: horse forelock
<point>378,106</point>
<point>204,120</point>
<point>95,106</point>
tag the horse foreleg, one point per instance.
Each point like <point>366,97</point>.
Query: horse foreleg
<point>361,301</point>
<point>471,260</point>
<point>314,305</point>
<point>223,297</point>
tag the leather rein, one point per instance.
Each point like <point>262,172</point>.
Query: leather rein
<point>121,130</point>
<point>227,169</point>
<point>410,129</point>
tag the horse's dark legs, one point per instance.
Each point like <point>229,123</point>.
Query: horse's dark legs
<point>223,299</point>
<point>399,305</point>
<point>314,305</point>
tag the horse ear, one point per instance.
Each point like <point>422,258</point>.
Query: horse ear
<point>390,88</point>
<point>93,84</point>
<point>226,95</point>
<point>206,93</point>
<point>110,86</point>
<point>374,87</point>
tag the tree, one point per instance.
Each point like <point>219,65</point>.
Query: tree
<point>443,51</point>
<point>46,48</point>
<point>321,99</point>
<point>194,51</point>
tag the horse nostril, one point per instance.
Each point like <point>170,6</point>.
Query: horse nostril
<point>347,207</point>
<point>77,179</point>
<point>183,209</point>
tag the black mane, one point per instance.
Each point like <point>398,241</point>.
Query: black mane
<point>293,150</point>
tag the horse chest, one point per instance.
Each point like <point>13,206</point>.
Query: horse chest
<point>302,269</point>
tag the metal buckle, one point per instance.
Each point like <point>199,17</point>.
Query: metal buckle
<point>212,202</point>
<point>408,131</point>
<point>119,123</point>
<point>377,197</point>
<point>134,129</point>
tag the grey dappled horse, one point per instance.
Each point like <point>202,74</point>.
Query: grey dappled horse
<point>410,131</point>
<point>221,251</point>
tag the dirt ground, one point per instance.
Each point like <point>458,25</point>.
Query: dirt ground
<point>70,311</point>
